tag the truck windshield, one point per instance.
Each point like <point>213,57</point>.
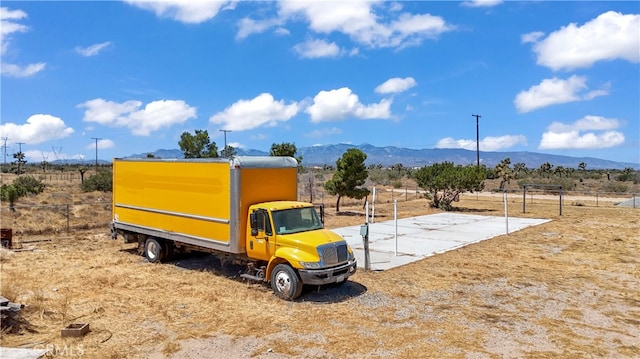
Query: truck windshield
<point>296,220</point>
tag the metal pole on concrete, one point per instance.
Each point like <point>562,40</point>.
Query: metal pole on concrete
<point>506,213</point>
<point>364,231</point>
<point>373,206</point>
<point>561,200</point>
<point>395,221</point>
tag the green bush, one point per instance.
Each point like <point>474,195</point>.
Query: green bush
<point>28,185</point>
<point>631,177</point>
<point>8,193</point>
<point>101,181</point>
<point>615,187</point>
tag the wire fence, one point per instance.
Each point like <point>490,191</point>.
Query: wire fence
<point>532,195</point>
<point>55,218</point>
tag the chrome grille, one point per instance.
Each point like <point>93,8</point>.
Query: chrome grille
<point>334,253</point>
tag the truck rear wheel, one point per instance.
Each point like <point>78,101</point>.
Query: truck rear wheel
<point>154,250</point>
<point>285,282</point>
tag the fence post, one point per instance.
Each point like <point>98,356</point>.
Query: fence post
<point>597,198</point>
<point>68,217</point>
<point>634,200</point>
<point>561,200</point>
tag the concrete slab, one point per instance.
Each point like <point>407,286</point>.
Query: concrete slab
<point>420,237</point>
<point>21,353</point>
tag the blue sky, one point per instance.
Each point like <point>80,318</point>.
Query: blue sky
<point>132,76</point>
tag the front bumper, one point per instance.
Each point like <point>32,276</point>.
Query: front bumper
<point>329,275</point>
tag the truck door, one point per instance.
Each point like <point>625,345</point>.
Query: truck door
<point>262,240</point>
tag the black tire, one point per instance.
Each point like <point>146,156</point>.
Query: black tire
<point>285,282</point>
<point>154,250</point>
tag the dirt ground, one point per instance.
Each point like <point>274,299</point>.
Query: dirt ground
<point>567,288</point>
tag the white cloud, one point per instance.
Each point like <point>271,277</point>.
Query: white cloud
<point>311,49</point>
<point>186,11</point>
<point>531,37</point>
<point>325,132</point>
<point>339,104</point>
<point>36,156</point>
<point>247,27</point>
<point>262,110</point>
<point>610,36</point>
<point>556,91</point>
<point>358,20</point>
<point>141,121</point>
<point>482,3</point>
<point>38,128</point>
<point>92,50</point>
<point>574,136</point>
<point>105,143</point>
<point>8,26</point>
<point>102,144</point>
<point>22,71</point>
<point>396,85</point>
<point>488,143</point>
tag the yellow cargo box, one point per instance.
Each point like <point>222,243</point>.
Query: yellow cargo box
<point>200,202</point>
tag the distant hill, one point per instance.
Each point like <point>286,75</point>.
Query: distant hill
<point>390,155</point>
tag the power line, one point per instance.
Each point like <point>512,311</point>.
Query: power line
<point>4,149</point>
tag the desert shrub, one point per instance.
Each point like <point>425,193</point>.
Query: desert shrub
<point>9,193</point>
<point>631,177</point>
<point>101,181</point>
<point>615,187</point>
<point>28,185</point>
<point>377,177</point>
<point>397,184</point>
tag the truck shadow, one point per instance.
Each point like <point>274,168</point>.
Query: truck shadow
<point>207,263</point>
<point>330,293</point>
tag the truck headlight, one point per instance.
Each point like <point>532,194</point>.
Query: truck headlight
<point>310,265</point>
<point>351,255</point>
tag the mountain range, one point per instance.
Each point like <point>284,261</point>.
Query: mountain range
<point>390,155</point>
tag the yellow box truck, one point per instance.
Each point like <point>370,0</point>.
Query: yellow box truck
<point>243,208</point>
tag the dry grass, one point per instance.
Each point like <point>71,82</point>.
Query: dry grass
<point>569,288</point>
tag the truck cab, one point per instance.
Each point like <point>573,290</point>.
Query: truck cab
<point>289,239</point>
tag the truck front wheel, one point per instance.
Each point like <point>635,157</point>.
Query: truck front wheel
<point>285,282</point>
<point>154,250</point>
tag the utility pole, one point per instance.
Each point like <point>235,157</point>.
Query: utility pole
<point>477,140</point>
<point>95,138</point>
<point>4,149</point>
<point>225,141</point>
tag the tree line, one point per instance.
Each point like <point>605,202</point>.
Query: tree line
<point>442,182</point>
